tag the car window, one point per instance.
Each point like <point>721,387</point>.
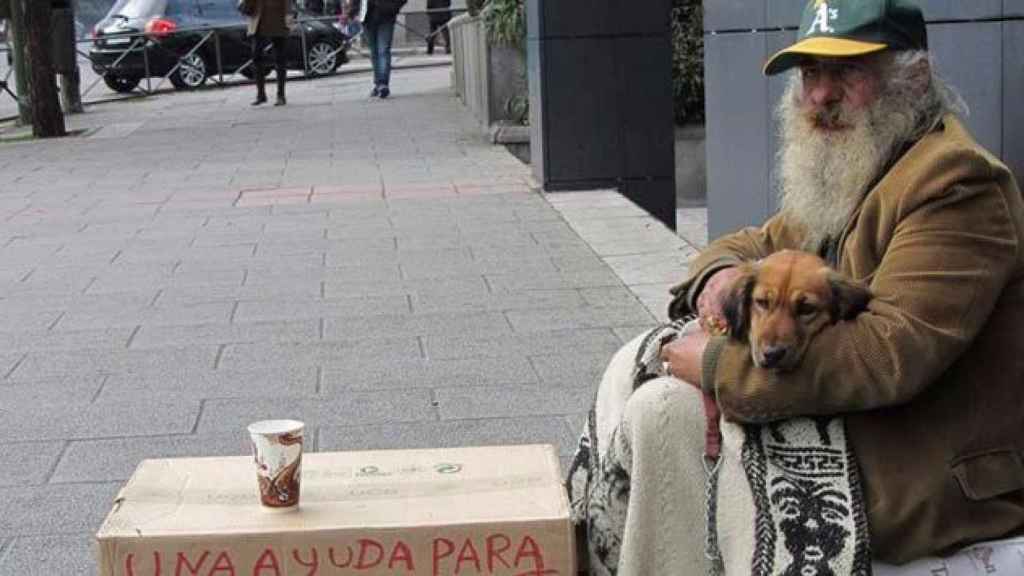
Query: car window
<point>221,11</point>
<point>137,8</point>
<point>182,8</point>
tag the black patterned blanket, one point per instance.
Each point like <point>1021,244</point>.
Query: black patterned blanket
<point>810,517</point>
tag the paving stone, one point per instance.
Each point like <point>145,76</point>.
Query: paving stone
<point>290,355</point>
<point>349,257</point>
<point>27,319</point>
<point>266,310</point>
<point>205,384</point>
<point>653,268</point>
<point>199,294</point>
<point>70,555</point>
<point>453,434</point>
<point>581,370</point>
<point>108,419</point>
<point>199,313</point>
<point>116,459</point>
<point>221,238</point>
<point>148,254</point>
<point>406,325</point>
<point>561,319</point>
<point>8,360</point>
<point>54,509</point>
<point>156,282</point>
<point>469,286</point>
<point>227,273</point>
<point>628,333</point>
<point>72,390</point>
<point>504,401</point>
<point>385,272</point>
<point>422,373</point>
<point>81,302</point>
<point>533,299</point>
<point>349,409</point>
<point>289,246</point>
<point>655,297</point>
<point>239,333</point>
<point>28,463</point>
<point>582,341</point>
<point>608,296</point>
<point>425,268</point>
<point>553,281</point>
<point>45,365</point>
<point>577,422</point>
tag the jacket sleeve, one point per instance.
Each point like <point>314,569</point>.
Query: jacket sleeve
<point>747,244</point>
<point>945,266</point>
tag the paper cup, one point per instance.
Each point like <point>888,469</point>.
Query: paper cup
<point>277,449</point>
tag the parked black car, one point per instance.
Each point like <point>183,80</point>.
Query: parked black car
<point>166,31</point>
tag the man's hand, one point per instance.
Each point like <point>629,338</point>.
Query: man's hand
<point>682,358</point>
<point>712,296</point>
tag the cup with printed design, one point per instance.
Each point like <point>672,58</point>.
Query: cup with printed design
<point>277,451</point>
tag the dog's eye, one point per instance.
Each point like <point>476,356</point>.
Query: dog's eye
<point>761,303</point>
<point>805,309</point>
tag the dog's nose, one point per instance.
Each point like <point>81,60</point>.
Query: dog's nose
<point>773,355</point>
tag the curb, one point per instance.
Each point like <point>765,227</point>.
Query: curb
<point>340,72</point>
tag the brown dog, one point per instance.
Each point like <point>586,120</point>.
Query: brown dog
<point>782,302</point>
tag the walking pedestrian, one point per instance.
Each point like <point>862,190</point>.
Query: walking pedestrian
<point>378,18</point>
<point>439,22</point>
<point>268,26</point>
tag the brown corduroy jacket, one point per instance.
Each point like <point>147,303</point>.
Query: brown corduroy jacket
<point>270,19</point>
<point>931,377</point>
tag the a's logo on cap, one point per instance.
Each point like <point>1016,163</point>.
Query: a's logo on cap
<point>823,16</point>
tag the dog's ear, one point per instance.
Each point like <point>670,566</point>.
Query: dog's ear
<point>849,297</point>
<point>736,307</point>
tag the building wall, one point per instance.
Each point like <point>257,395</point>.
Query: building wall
<point>978,47</point>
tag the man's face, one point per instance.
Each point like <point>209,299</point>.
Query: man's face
<point>834,89</point>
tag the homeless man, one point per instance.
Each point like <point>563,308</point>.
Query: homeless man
<point>921,393</point>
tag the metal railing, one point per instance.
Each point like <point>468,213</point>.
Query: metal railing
<point>202,57</point>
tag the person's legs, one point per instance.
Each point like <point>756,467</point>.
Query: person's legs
<point>447,38</point>
<point>258,44</point>
<point>371,30</point>
<point>385,33</point>
<point>281,67</point>
<point>434,25</point>
<point>647,507</point>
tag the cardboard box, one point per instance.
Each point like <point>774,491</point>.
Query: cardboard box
<point>465,511</point>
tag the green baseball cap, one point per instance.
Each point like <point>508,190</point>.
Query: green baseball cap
<point>845,28</point>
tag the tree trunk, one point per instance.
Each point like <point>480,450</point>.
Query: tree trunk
<point>47,118</point>
<point>16,41</point>
<point>70,88</point>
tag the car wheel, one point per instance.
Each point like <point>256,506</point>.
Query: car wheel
<point>322,58</point>
<point>192,72</point>
<point>121,84</point>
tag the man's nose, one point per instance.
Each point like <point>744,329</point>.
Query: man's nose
<point>825,90</point>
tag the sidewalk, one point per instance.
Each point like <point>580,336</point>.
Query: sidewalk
<point>375,268</point>
<point>404,58</point>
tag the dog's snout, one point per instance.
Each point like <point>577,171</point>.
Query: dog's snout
<point>773,355</point>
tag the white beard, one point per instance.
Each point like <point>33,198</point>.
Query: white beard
<point>823,175</point>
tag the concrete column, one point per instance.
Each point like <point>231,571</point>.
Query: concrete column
<point>600,76</point>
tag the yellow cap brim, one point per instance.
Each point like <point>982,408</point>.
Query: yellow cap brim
<point>821,46</point>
